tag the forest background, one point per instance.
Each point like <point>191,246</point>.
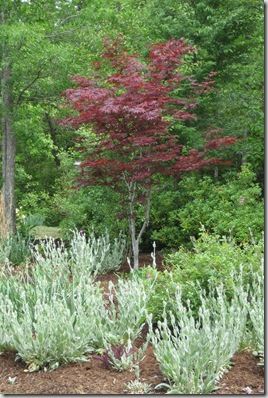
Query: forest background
<point>44,43</point>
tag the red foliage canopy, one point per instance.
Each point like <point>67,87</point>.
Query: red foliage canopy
<point>131,112</point>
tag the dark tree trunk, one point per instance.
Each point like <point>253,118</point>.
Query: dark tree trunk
<point>52,131</point>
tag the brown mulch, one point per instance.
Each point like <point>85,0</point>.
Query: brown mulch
<point>93,378</point>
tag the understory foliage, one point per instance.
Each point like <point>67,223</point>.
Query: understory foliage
<point>214,260</point>
<point>232,206</point>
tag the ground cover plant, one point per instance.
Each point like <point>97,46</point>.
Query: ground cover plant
<point>50,319</point>
<point>51,316</point>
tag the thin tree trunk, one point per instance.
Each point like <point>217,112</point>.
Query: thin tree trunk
<point>53,137</point>
<point>8,149</point>
<point>135,242</point>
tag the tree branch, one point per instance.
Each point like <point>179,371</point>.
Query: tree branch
<point>29,85</point>
<point>66,19</point>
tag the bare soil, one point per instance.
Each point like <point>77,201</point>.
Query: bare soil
<point>93,378</point>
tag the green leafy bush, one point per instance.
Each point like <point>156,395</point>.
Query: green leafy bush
<point>26,224</point>
<point>233,208</point>
<point>213,261</point>
<point>86,209</point>
<point>227,207</point>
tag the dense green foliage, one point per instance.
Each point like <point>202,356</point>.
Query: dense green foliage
<point>231,208</point>
<point>46,42</point>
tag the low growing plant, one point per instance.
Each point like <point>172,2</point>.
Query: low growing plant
<point>96,255</point>
<point>123,356</point>
<point>138,387</point>
<point>86,256</point>
<point>256,314</point>
<point>50,318</point>
<point>193,354</point>
<point>124,315</point>
<point>16,248</point>
<point>50,331</point>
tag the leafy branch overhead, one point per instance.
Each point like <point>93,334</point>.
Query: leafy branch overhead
<point>131,112</point>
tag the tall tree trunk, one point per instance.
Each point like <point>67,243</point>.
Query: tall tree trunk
<point>8,149</point>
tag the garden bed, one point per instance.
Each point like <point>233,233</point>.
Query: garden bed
<point>92,377</point>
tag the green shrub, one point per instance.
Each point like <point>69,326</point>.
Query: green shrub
<point>213,261</point>
<point>227,207</point>
<point>85,209</point>
<point>233,208</point>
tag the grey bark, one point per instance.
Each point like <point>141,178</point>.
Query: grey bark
<point>135,241</point>
<point>8,148</point>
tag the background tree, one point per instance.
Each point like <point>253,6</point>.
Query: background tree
<point>45,41</point>
<point>42,42</point>
<point>229,38</point>
<point>37,41</point>
<point>131,112</point>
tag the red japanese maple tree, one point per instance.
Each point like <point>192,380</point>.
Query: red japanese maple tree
<point>131,111</point>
